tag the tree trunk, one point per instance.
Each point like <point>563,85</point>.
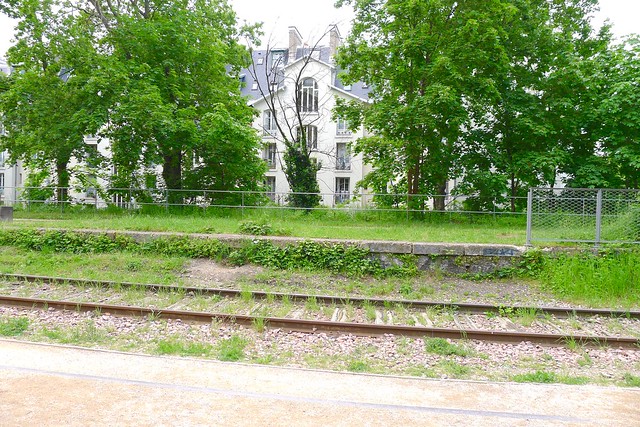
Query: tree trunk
<point>439,198</point>
<point>62,174</point>
<point>172,174</point>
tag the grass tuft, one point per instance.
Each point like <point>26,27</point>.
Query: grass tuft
<point>12,327</point>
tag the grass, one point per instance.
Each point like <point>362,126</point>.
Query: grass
<point>443,347</point>
<point>631,380</point>
<point>318,224</point>
<point>13,326</point>
<point>544,377</point>
<point>231,349</point>
<point>179,346</point>
<point>612,278</point>
<point>113,266</point>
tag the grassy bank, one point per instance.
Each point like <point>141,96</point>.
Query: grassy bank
<point>359,225</point>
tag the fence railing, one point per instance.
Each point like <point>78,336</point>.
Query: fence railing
<point>583,215</point>
<point>136,198</point>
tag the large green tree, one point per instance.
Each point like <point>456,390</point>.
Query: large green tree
<point>158,78</point>
<point>614,158</point>
<point>42,100</point>
<point>430,65</point>
<point>541,121</point>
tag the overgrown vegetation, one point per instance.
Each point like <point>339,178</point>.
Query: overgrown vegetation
<point>604,278</point>
<point>337,258</point>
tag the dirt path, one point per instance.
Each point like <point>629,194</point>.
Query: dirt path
<point>56,385</point>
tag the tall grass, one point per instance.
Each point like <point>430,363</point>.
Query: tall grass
<point>611,278</point>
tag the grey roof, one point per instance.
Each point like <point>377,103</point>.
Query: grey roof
<point>262,63</point>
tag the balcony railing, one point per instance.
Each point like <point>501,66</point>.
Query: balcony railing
<point>343,164</point>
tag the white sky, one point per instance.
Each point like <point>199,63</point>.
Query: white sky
<point>312,18</point>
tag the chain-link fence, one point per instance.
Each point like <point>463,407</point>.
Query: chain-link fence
<point>583,215</point>
<point>55,198</point>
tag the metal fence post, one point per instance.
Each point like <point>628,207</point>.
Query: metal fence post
<point>529,215</point>
<point>242,206</point>
<point>598,217</point>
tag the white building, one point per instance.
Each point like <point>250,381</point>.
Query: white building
<point>271,85</point>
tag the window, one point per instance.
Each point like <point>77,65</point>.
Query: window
<point>343,157</point>
<point>269,155</point>
<point>1,184</point>
<point>2,158</point>
<point>342,190</point>
<point>310,135</point>
<point>260,61</point>
<point>254,86</point>
<point>270,185</point>
<point>277,59</point>
<point>342,127</point>
<point>308,96</point>
<point>268,122</point>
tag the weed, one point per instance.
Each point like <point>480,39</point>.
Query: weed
<point>572,344</point>
<point>246,295</point>
<point>369,310</point>
<point>259,324</point>
<point>311,304</point>
<point>175,345</point>
<point>406,289</point>
<point>536,377</point>
<point>585,360</point>
<point>231,349</point>
<point>12,327</point>
<point>631,380</point>
<point>453,368</point>
<point>526,316</point>
<point>444,348</point>
<point>572,380</point>
<point>358,366</point>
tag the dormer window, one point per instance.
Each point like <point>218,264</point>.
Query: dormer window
<point>277,59</point>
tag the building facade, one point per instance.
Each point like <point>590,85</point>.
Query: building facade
<point>294,91</point>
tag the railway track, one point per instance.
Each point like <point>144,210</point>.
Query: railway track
<point>312,326</point>
<point>560,312</point>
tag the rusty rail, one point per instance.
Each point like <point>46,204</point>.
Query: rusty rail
<point>317,326</point>
<point>329,299</point>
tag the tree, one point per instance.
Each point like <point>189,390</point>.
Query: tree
<point>156,78</point>
<point>615,160</point>
<point>170,75</point>
<point>297,110</point>
<point>541,121</point>
<point>430,64</point>
<point>42,101</point>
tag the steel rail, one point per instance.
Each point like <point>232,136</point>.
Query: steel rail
<point>321,326</point>
<point>329,299</point>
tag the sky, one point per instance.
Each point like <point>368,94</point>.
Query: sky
<point>312,19</point>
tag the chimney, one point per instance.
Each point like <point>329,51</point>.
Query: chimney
<point>295,41</point>
<point>334,41</point>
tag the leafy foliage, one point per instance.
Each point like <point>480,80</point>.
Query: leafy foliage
<point>158,78</point>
